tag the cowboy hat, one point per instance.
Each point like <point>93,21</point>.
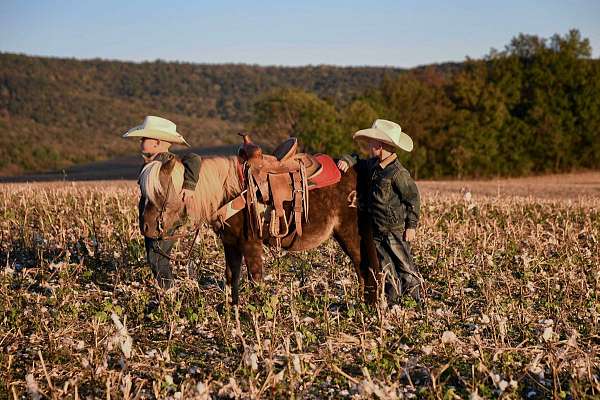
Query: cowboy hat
<point>157,128</point>
<point>387,132</point>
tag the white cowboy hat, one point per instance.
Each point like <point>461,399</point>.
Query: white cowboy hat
<point>387,132</point>
<point>157,128</point>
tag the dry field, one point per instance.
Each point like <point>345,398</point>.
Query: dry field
<point>512,292</point>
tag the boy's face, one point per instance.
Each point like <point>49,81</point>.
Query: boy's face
<point>374,148</point>
<point>153,146</point>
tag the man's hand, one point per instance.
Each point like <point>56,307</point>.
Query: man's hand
<point>409,234</point>
<point>343,166</point>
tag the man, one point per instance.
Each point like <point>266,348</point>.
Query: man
<point>157,135</point>
<point>390,199</point>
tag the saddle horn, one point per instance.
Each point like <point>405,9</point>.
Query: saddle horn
<point>248,149</point>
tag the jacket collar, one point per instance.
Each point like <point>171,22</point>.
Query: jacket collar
<point>390,159</point>
<point>162,157</point>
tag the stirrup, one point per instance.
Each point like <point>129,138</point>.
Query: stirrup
<point>275,226</point>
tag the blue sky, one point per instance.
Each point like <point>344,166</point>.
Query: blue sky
<point>397,33</point>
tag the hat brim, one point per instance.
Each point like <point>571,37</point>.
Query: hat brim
<point>157,134</point>
<point>405,142</point>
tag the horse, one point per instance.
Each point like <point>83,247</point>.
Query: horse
<point>332,213</point>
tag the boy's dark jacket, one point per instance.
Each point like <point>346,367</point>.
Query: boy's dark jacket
<point>389,195</point>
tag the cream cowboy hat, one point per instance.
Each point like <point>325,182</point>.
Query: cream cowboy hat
<point>157,128</point>
<point>387,132</point>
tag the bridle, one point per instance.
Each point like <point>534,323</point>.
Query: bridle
<point>160,229</point>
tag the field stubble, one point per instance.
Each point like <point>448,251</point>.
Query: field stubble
<point>512,287</point>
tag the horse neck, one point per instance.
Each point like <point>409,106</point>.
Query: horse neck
<point>217,184</point>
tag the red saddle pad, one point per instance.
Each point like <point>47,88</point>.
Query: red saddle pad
<point>329,175</point>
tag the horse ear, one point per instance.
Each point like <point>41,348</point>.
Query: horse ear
<point>168,166</point>
<point>171,173</point>
<point>165,172</point>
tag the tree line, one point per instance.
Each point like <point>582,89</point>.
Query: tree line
<point>533,107</point>
<point>58,112</point>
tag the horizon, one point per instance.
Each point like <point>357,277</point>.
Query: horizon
<point>394,35</point>
<point>223,63</point>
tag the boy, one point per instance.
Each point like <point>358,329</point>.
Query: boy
<point>390,199</point>
<point>157,135</point>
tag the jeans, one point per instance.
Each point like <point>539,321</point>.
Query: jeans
<point>161,265</point>
<point>402,275</point>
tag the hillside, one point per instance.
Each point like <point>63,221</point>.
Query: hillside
<point>57,112</point>
<point>532,108</point>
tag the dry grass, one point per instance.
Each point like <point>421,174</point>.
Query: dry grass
<point>512,293</point>
<point>564,186</point>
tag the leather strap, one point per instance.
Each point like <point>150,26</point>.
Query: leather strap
<point>305,191</point>
<point>230,209</point>
<point>281,190</point>
<point>298,202</point>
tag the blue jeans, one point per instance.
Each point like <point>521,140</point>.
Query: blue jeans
<point>395,258</point>
<point>161,265</point>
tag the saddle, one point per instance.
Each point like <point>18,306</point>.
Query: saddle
<point>271,181</point>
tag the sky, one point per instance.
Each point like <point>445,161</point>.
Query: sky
<point>276,32</point>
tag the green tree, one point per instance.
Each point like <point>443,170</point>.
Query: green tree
<point>293,112</point>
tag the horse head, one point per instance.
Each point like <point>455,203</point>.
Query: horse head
<point>161,209</point>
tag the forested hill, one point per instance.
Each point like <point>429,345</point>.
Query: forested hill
<point>531,108</point>
<point>54,112</point>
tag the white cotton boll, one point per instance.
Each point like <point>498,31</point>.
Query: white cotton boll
<point>296,363</point>
<point>32,387</point>
<point>548,333</point>
<point>449,337</point>
<point>254,361</point>
<point>122,337</point>
<point>502,385</point>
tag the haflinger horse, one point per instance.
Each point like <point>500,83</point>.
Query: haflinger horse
<point>332,213</point>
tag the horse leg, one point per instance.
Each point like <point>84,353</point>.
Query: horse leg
<point>253,254</point>
<point>352,250</point>
<point>361,250</point>
<point>233,266</point>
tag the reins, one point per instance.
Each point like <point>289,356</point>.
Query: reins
<point>186,260</point>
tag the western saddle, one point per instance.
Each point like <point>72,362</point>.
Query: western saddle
<point>269,181</point>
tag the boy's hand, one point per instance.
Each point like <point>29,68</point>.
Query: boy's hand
<point>409,234</point>
<point>342,165</point>
<point>187,196</point>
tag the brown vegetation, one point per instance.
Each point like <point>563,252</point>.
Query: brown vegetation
<point>512,294</point>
